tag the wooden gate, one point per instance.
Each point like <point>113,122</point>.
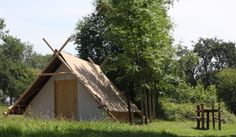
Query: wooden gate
<point>66,99</point>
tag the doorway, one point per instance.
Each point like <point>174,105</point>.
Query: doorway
<point>66,99</point>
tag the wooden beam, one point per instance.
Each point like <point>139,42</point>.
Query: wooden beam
<point>62,47</point>
<point>90,60</point>
<point>48,45</point>
<point>58,73</point>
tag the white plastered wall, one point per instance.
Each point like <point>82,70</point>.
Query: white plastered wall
<point>88,107</point>
<point>43,104</point>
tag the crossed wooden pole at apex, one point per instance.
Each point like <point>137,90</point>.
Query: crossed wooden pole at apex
<point>62,47</point>
<point>56,53</point>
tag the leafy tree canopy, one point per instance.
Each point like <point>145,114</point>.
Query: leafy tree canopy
<point>17,64</point>
<point>215,55</point>
<point>226,88</point>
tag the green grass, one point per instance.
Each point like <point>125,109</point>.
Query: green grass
<point>17,126</point>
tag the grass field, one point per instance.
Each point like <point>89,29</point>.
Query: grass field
<point>17,126</point>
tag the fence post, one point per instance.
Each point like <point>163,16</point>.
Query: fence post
<point>219,118</point>
<point>208,119</point>
<point>213,116</point>
<point>198,117</point>
<point>202,116</point>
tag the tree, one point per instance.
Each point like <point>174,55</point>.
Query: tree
<point>14,74</point>
<point>187,63</point>
<point>215,55</point>
<point>2,27</point>
<point>139,32</point>
<point>18,64</point>
<point>226,88</point>
<point>141,28</point>
<point>91,41</point>
<point>37,61</point>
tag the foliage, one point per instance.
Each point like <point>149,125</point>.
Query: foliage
<point>186,67</point>
<point>33,59</point>
<point>175,89</point>
<point>2,28</point>
<point>226,88</point>
<point>206,96</point>
<point>132,40</point>
<point>38,61</point>
<point>90,38</point>
<point>180,92</point>
<point>187,111</point>
<point>16,69</point>
<point>12,48</point>
<point>215,55</point>
<point>172,111</point>
<point>15,76</point>
<point>2,24</point>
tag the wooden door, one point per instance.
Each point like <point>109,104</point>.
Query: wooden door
<point>66,99</point>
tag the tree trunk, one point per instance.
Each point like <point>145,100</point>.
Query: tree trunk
<point>145,107</point>
<point>142,108</point>
<point>149,106</point>
<point>153,106</point>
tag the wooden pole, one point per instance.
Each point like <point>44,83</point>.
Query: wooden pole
<point>48,45</point>
<point>202,116</point>
<point>129,107</point>
<point>58,73</point>
<point>142,107</point>
<point>198,117</point>
<point>219,118</point>
<point>213,117</point>
<point>208,119</point>
<point>149,105</point>
<point>64,45</point>
<point>153,106</point>
<point>145,107</point>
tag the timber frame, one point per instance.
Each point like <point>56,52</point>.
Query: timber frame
<point>19,108</point>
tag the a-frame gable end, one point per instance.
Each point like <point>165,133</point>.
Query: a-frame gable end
<point>21,104</point>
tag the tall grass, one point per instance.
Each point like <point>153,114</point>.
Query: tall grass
<point>187,111</point>
<point>22,127</point>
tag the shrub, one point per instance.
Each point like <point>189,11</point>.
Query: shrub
<point>181,92</point>
<point>173,111</point>
<point>187,111</point>
<point>226,88</point>
<point>204,96</point>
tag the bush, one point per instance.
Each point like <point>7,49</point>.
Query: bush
<point>226,88</point>
<point>172,111</point>
<point>187,111</point>
<point>226,115</point>
<point>181,92</point>
<point>200,95</point>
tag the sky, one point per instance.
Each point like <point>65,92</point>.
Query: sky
<point>54,20</point>
<point>203,18</point>
<point>31,20</point>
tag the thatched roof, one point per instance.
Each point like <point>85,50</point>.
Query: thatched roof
<point>91,77</point>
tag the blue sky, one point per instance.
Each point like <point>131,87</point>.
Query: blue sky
<point>31,20</point>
